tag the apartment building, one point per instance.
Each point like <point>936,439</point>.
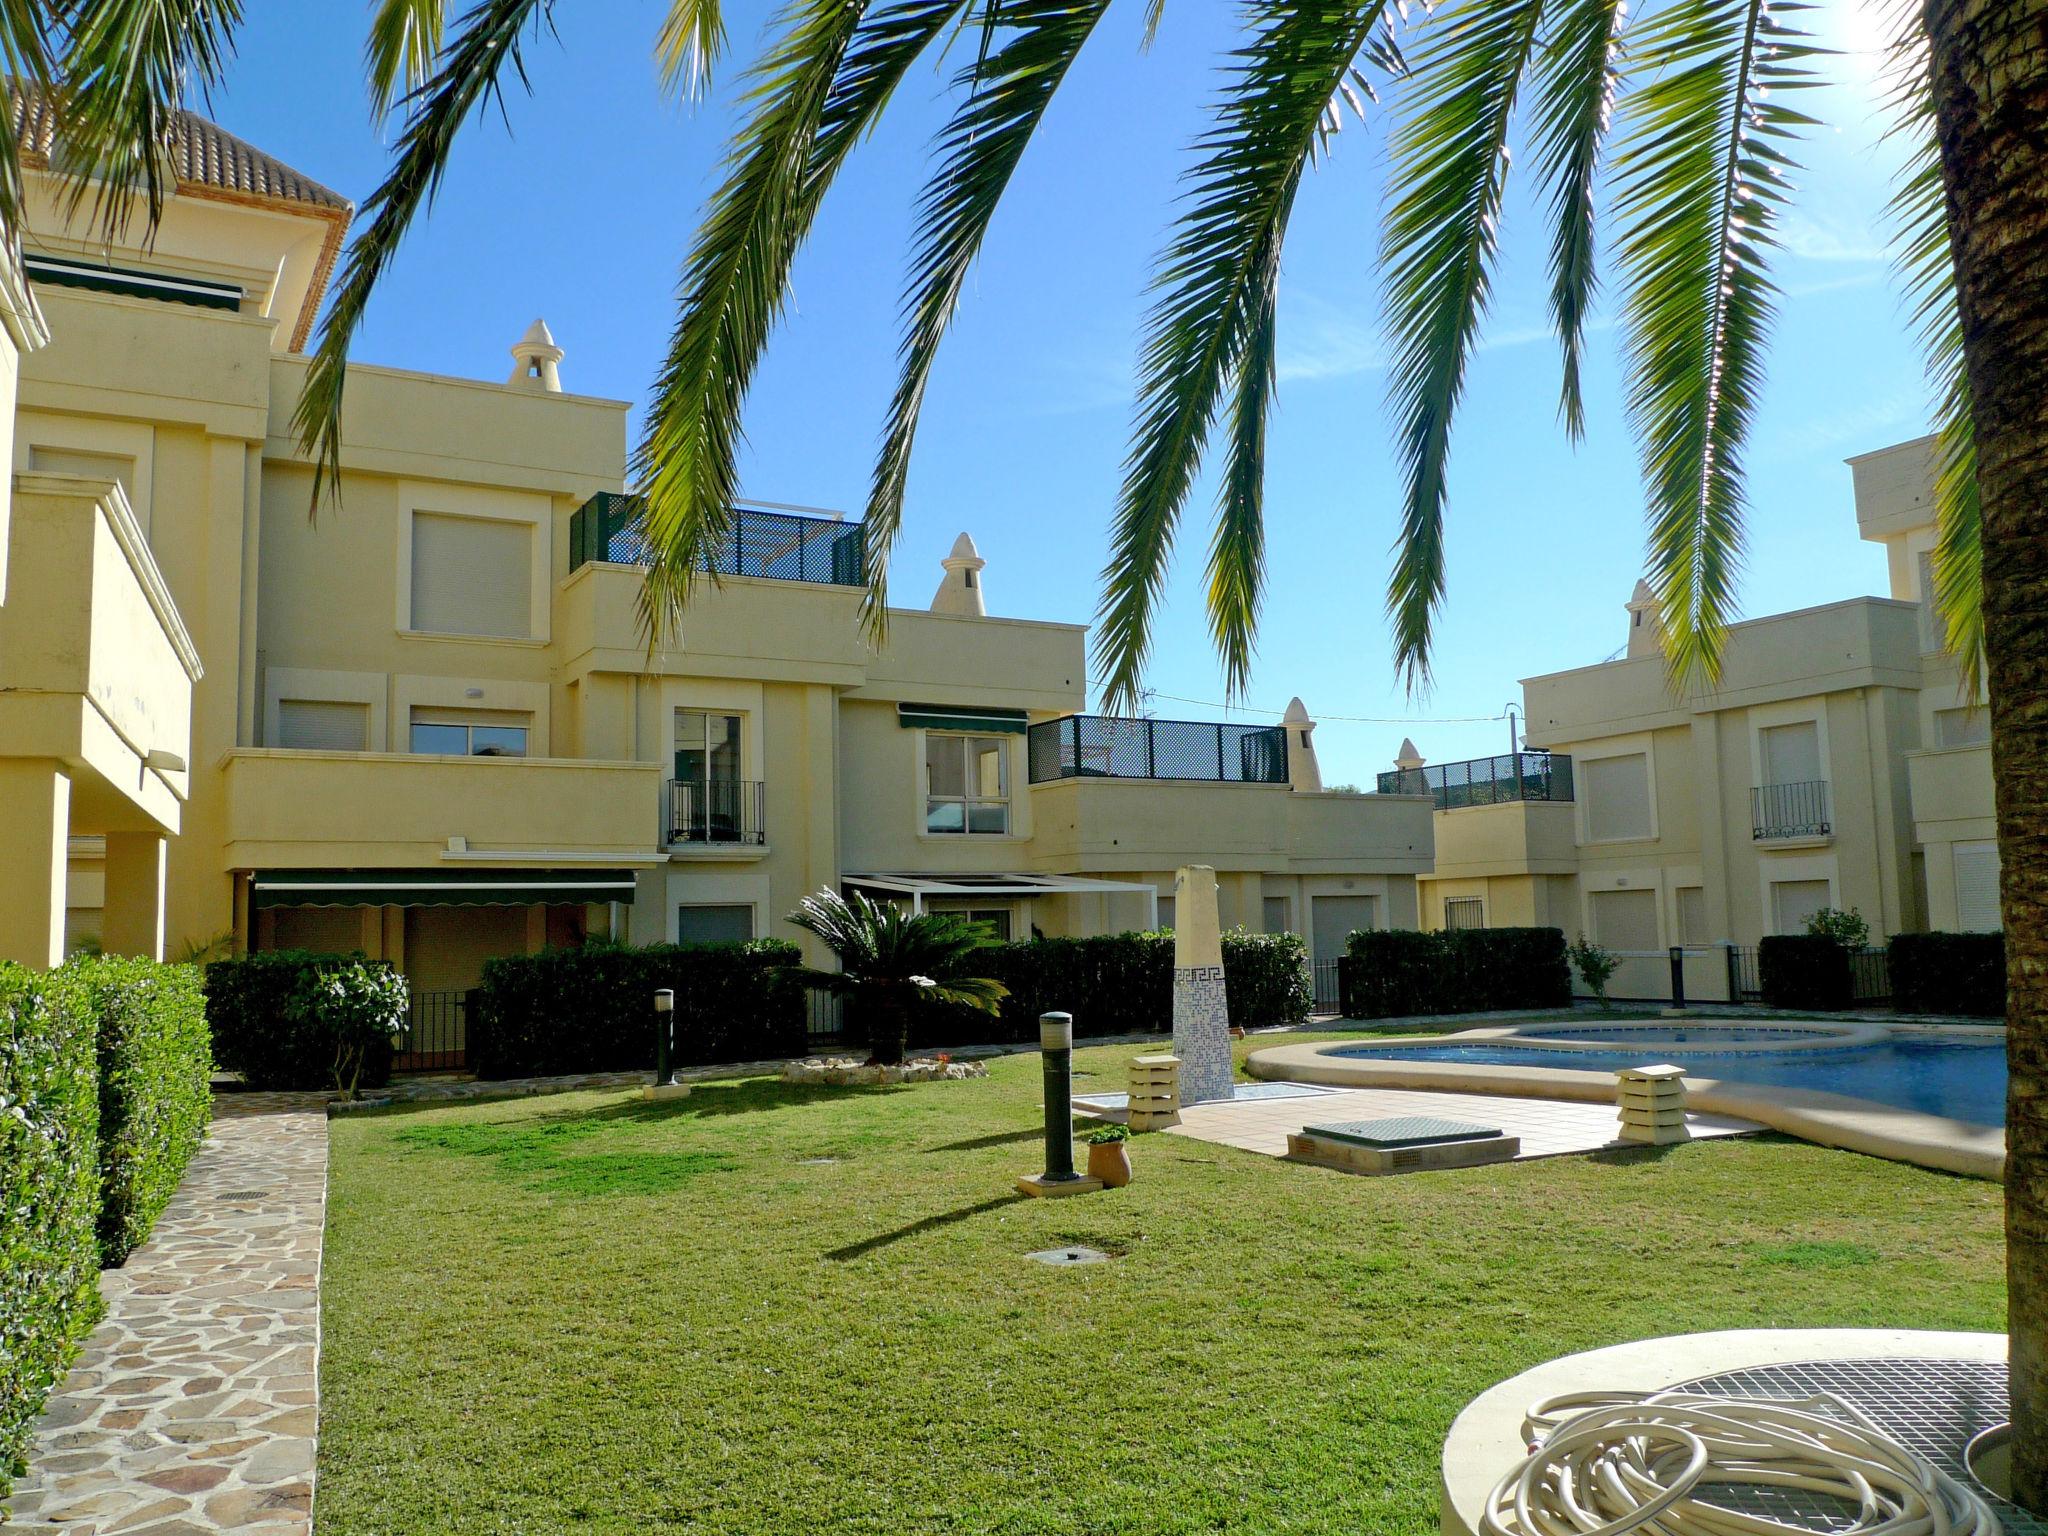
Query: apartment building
<point>1837,763</point>
<point>426,722</point>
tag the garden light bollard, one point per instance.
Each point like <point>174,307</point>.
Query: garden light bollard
<point>1677,977</point>
<point>1056,1050</point>
<point>664,1085</point>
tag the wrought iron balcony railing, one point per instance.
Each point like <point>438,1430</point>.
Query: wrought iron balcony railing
<point>1789,810</point>
<point>784,546</point>
<point>1485,780</point>
<point>1114,747</point>
<point>716,811</point>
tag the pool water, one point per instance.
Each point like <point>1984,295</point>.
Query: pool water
<point>1725,1034</point>
<point>1963,1079</point>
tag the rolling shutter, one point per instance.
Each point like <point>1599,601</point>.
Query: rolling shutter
<point>323,725</point>
<point>1625,920</point>
<point>1977,888</point>
<point>471,576</point>
<point>1617,794</point>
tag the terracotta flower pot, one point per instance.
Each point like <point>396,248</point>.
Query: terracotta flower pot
<point>1110,1161</point>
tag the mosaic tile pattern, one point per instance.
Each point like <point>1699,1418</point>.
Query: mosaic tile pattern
<point>1201,1033</point>
<point>193,1406</point>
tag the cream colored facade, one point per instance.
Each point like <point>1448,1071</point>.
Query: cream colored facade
<point>1836,764</point>
<point>428,723</point>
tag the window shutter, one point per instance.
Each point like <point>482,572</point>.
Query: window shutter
<point>1617,791</point>
<point>1625,920</point>
<point>1791,753</point>
<point>471,576</point>
<point>323,725</point>
<point>1794,901</point>
<point>1692,914</point>
<point>1977,887</point>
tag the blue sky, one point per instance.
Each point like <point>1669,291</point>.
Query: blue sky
<point>579,203</point>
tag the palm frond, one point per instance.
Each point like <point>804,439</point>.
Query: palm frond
<point>1237,552</point>
<point>1210,284</point>
<point>124,71</point>
<point>1577,79</point>
<point>1707,154</point>
<point>25,55</point>
<point>1450,165</point>
<point>979,992</point>
<point>1926,269</point>
<point>1008,92</point>
<point>880,943</point>
<point>405,39</point>
<point>691,38</point>
<point>816,91</point>
<point>470,69</point>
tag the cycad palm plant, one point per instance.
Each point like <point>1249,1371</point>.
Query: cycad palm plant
<point>892,960</point>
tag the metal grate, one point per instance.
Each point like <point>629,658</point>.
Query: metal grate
<point>1115,747</point>
<point>1485,780</point>
<point>435,1037</point>
<point>1932,1407</point>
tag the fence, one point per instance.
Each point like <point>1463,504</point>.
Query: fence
<point>784,546</point>
<point>436,1035</point>
<point>1870,979</point>
<point>1789,810</point>
<point>717,811</point>
<point>1485,780</point>
<point>1117,747</point>
<point>1329,992</point>
<point>824,1020</point>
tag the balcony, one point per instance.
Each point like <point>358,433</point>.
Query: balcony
<point>1199,751</point>
<point>781,546</point>
<point>716,811</point>
<point>1519,776</point>
<point>1790,812</point>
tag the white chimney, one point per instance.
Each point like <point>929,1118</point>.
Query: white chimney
<point>1645,632</point>
<point>1303,771</point>
<point>960,589</point>
<point>1408,759</point>
<point>537,360</point>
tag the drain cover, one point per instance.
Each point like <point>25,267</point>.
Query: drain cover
<point>1060,1258</point>
<point>243,1194</point>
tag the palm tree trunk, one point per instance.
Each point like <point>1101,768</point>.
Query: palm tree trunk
<point>1990,78</point>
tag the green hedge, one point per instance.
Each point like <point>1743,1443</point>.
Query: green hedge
<point>155,1071</point>
<point>1948,973</point>
<point>287,1018</point>
<point>1114,984</point>
<point>592,1009</point>
<point>1395,972</point>
<point>1805,971</point>
<point>49,1195</point>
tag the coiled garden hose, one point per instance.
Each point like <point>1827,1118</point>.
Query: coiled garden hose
<point>1607,1463</point>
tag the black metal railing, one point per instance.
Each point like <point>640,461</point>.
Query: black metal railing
<point>1789,810</point>
<point>1485,780</point>
<point>436,1037</point>
<point>1328,990</point>
<point>1113,747</point>
<point>1745,974</point>
<point>785,546</point>
<point>717,811</point>
<point>1870,978</point>
<point>824,1020</point>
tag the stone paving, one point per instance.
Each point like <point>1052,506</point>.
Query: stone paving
<point>193,1407</point>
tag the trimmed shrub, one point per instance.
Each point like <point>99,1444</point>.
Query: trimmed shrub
<point>1115,984</point>
<point>155,1071</point>
<point>1395,972</point>
<point>1948,973</point>
<point>290,1019</point>
<point>591,1009</point>
<point>49,1196</point>
<point>1805,972</point>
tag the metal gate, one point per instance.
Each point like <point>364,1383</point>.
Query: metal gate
<point>436,1035</point>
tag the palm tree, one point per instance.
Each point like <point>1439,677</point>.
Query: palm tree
<point>891,960</point>
<point>1680,108</point>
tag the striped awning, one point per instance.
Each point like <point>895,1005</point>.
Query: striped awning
<point>438,887</point>
<point>961,717</point>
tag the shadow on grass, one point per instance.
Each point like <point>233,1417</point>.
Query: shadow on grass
<point>995,1139</point>
<point>921,1226</point>
<point>548,1157</point>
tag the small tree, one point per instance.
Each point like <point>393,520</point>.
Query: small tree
<point>891,959</point>
<point>1847,929</point>
<point>1596,966</point>
<point>355,1006</point>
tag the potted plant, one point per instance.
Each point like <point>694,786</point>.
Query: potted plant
<point>891,959</point>
<point>1109,1155</point>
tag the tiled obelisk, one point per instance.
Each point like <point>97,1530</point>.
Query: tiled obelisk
<point>1201,1018</point>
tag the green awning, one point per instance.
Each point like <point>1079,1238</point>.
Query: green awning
<point>69,272</point>
<point>951,717</point>
<point>438,887</point>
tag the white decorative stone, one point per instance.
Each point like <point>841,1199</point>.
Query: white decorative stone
<point>857,1072</point>
<point>1201,1016</point>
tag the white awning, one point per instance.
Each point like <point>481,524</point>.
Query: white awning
<point>919,888</point>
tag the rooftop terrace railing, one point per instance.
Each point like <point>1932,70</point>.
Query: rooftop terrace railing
<point>782,546</point>
<point>1115,747</point>
<point>1501,780</point>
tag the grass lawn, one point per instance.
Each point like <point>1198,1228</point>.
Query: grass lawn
<point>586,1313</point>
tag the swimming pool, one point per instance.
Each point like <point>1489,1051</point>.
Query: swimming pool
<point>1681,1034</point>
<point>1963,1079</point>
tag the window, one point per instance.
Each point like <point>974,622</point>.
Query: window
<point>323,725</point>
<point>1692,915</point>
<point>997,918</point>
<point>1931,636</point>
<point>707,747</point>
<point>1617,795</point>
<point>1794,901</point>
<point>1977,888</point>
<point>1625,920</point>
<point>469,732</point>
<point>1790,754</point>
<point>471,575</point>
<point>1962,727</point>
<point>1464,912</point>
<point>1165,913</point>
<point>1276,914</point>
<point>729,923</point>
<point>967,784</point>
